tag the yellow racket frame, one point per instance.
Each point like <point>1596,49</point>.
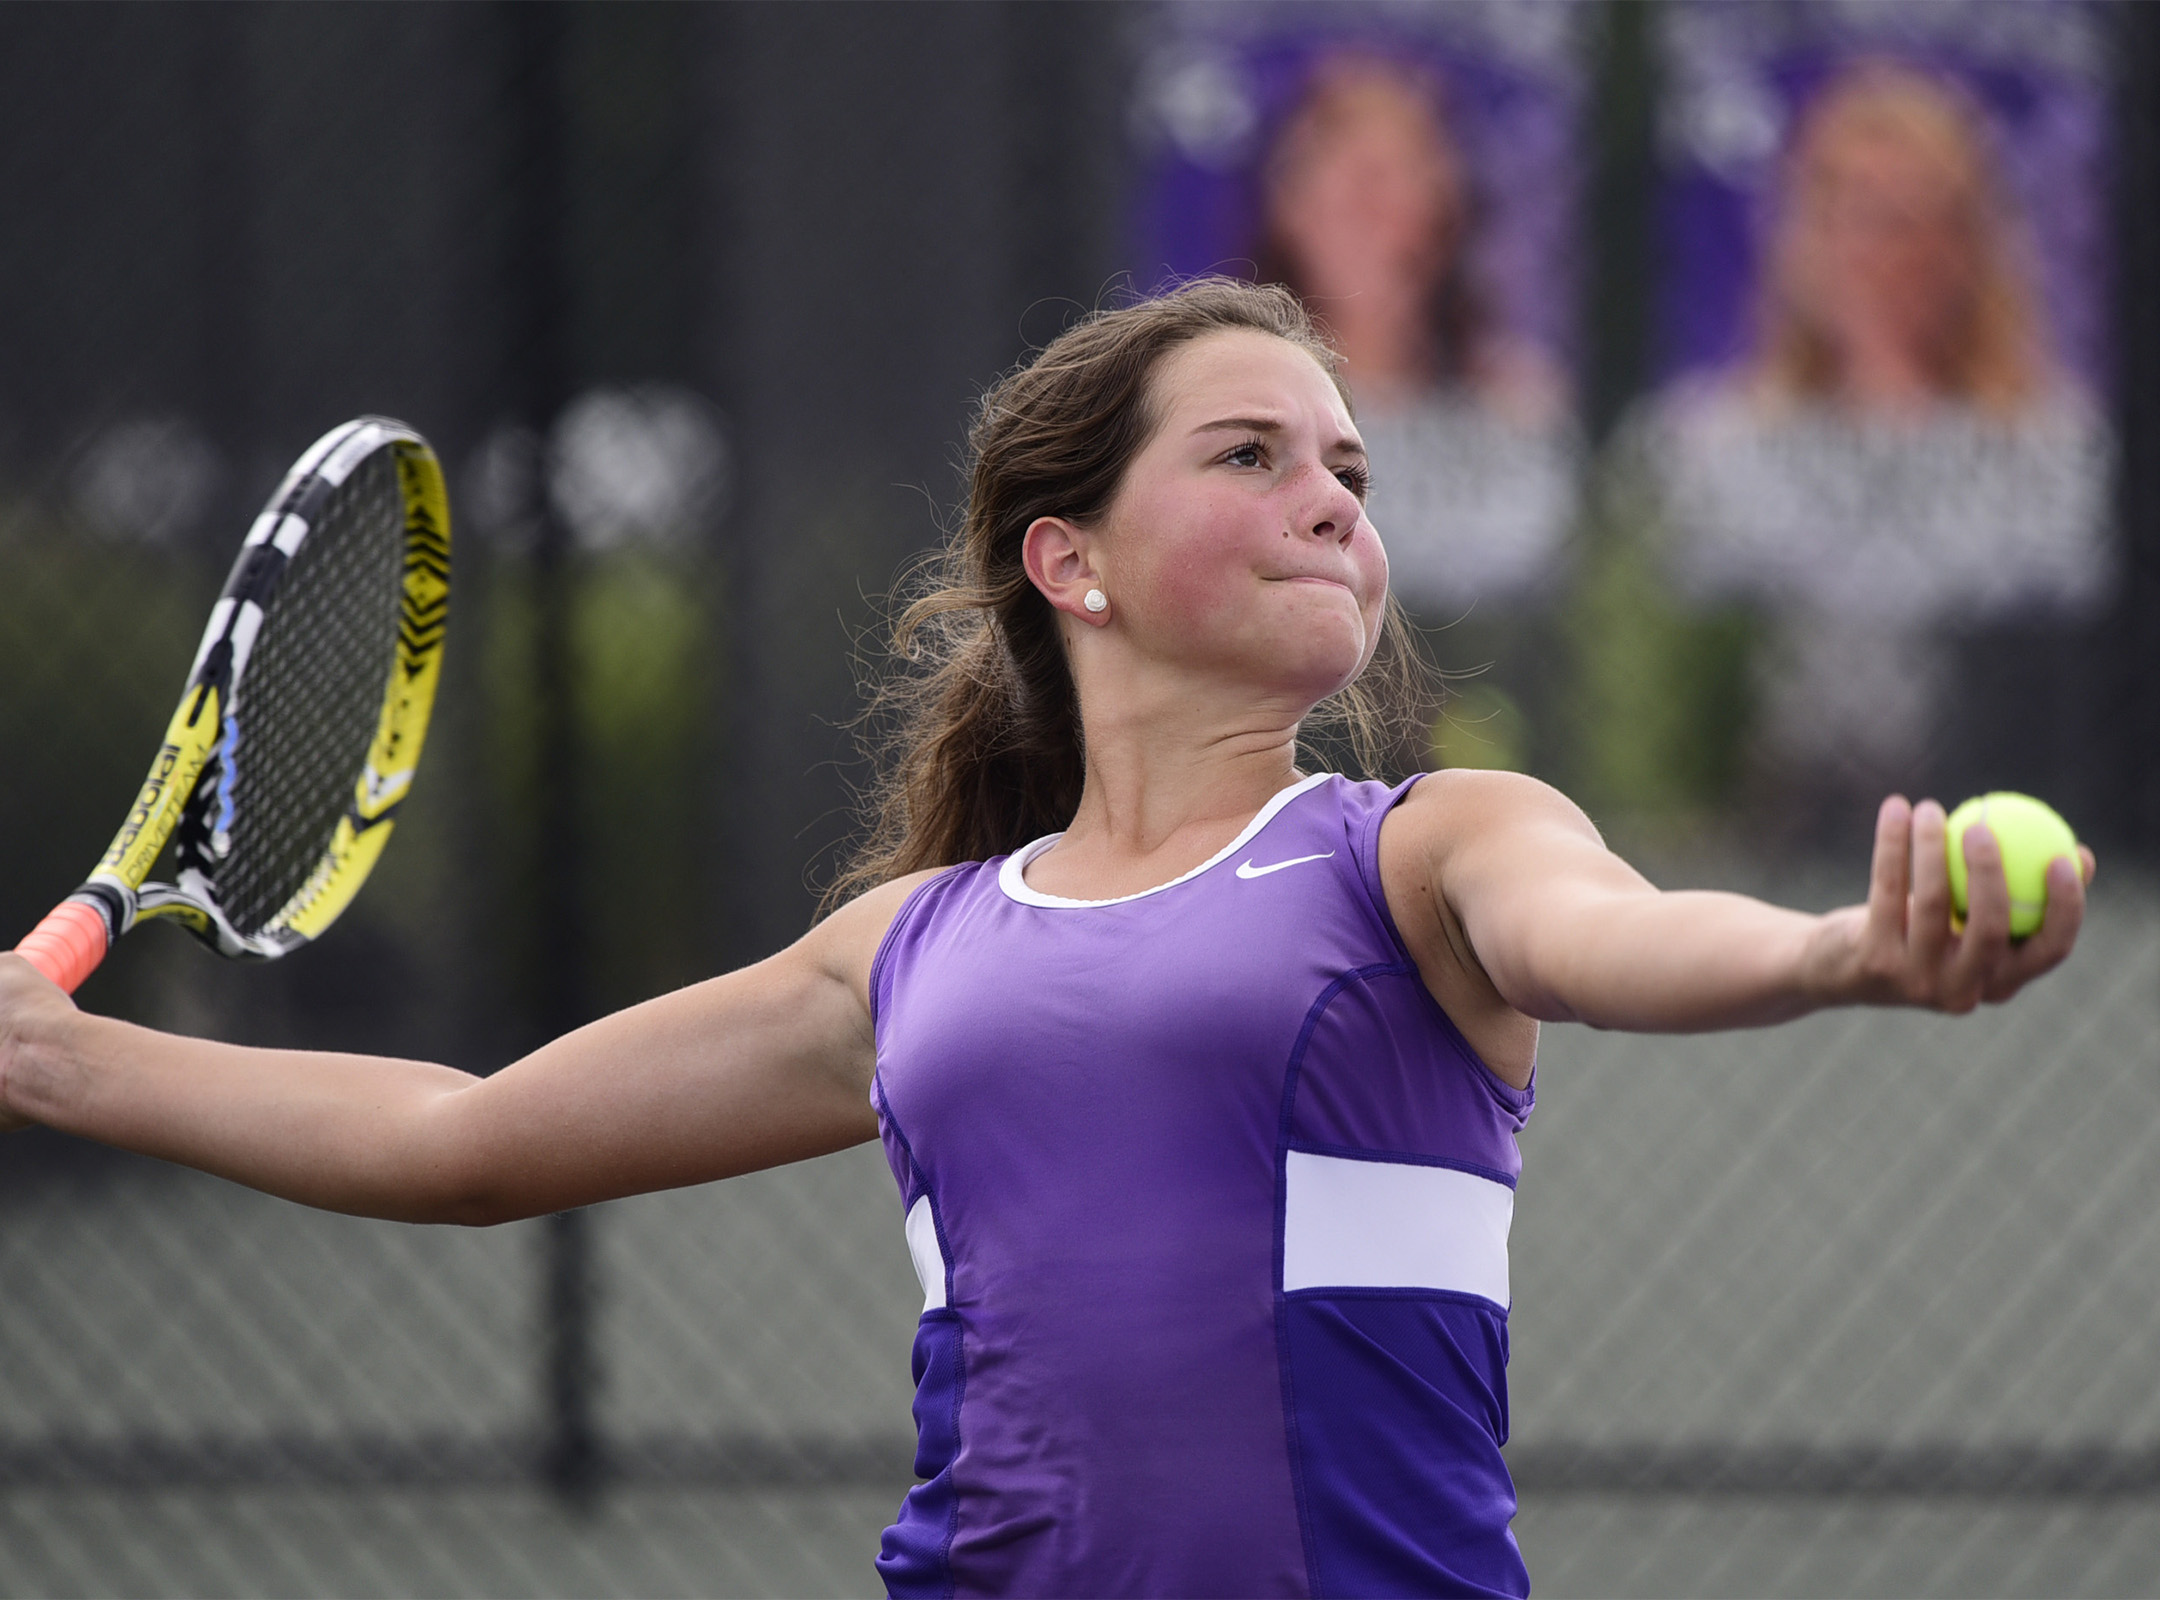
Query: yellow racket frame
<point>68,945</point>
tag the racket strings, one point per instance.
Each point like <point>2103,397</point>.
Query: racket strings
<point>308,703</point>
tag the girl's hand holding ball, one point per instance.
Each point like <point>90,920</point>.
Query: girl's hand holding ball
<point>1945,925</point>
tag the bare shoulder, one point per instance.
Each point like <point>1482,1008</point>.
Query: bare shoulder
<point>1484,843</point>
<point>1457,809</point>
<point>845,945</point>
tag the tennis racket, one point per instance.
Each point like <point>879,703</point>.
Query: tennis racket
<point>296,737</point>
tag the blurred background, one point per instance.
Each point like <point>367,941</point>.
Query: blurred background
<point>1762,408</point>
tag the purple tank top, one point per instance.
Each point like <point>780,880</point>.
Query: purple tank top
<point>1210,1203</point>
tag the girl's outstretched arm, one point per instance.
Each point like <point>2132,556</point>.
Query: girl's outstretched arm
<point>1519,890</point>
<point>766,1065</point>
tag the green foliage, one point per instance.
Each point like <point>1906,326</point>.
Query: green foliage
<point>1482,726</point>
<point>1507,690</point>
<point>1661,703</point>
<point>642,679</point>
<point>641,637</point>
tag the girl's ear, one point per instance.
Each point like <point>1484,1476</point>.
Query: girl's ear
<point>1058,556</point>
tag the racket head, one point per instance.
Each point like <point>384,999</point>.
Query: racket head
<point>306,708</point>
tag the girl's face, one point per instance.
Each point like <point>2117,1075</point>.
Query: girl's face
<point>1238,544</point>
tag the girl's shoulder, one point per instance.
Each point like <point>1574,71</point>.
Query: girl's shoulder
<point>1457,805</point>
<point>848,943</point>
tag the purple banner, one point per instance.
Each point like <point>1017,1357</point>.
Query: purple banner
<point>1220,84</point>
<point>1747,92</point>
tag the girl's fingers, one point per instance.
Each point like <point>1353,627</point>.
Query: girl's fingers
<point>1983,950</point>
<point>2057,932</point>
<point>1928,936</point>
<point>1890,872</point>
<point>1908,911</point>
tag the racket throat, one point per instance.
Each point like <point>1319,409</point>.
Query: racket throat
<point>116,904</point>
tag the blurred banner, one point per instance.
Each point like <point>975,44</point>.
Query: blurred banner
<point>1412,173</point>
<point>1881,445</point>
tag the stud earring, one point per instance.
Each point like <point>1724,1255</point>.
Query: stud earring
<point>1096,601</point>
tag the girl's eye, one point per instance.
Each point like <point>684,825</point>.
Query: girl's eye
<point>1252,453</point>
<point>1356,477</point>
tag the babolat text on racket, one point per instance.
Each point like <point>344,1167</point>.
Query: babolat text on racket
<point>295,741</point>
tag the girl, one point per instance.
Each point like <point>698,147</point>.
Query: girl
<point>1202,1109</point>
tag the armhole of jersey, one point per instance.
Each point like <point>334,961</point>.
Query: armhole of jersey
<point>879,964</point>
<point>1366,847</point>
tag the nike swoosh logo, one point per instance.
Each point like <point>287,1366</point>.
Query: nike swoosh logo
<point>1248,870</point>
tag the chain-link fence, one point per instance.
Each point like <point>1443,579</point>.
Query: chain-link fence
<point>692,301</point>
<point>1860,1305</point>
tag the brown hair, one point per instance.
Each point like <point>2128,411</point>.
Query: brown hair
<point>975,728</point>
<point>1991,354</point>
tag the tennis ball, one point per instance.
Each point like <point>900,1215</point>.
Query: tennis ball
<point>2030,834</point>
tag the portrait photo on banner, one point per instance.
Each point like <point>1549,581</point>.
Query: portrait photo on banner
<point>1411,173</point>
<point>1881,427</point>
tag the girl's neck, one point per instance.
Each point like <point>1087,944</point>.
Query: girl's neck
<point>1154,807</point>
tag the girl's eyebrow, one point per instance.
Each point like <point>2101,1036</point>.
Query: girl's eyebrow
<point>1349,443</point>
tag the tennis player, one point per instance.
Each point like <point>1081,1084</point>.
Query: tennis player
<point>1200,1075</point>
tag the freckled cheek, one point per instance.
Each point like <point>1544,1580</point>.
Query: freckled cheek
<point>1204,577</point>
<point>1193,591</point>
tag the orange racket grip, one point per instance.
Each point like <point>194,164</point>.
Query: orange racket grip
<point>68,945</point>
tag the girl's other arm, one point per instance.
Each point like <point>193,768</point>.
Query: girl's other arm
<point>1564,930</point>
<point>763,1066</point>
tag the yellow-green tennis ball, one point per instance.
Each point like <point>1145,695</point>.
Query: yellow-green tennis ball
<point>2030,833</point>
